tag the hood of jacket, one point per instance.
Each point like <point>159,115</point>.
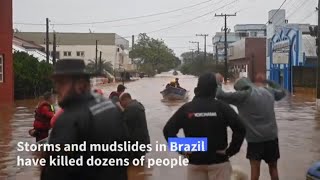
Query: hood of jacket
<point>243,84</point>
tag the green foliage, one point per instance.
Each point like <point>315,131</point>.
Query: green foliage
<point>195,64</point>
<point>104,66</point>
<point>152,55</point>
<point>31,77</point>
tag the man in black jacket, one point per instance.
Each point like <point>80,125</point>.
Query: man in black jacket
<point>86,118</point>
<point>207,117</point>
<point>135,119</point>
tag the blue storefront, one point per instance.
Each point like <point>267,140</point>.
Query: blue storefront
<point>285,51</point>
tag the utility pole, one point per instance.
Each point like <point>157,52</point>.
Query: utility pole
<point>192,50</point>
<point>205,44</point>
<point>318,48</point>
<point>217,56</point>
<point>198,43</point>
<point>96,60</point>
<point>100,63</point>
<point>47,39</point>
<point>54,54</point>
<point>225,44</point>
<point>132,41</point>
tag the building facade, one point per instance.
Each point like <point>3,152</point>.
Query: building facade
<point>289,45</point>
<point>114,48</point>
<point>289,48</point>
<point>241,31</point>
<point>6,62</point>
<point>246,57</point>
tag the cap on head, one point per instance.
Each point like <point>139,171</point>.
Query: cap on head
<point>121,88</point>
<point>207,85</point>
<point>71,67</point>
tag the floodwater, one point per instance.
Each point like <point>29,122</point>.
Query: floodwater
<point>298,120</point>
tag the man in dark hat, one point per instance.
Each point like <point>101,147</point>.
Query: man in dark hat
<point>207,117</point>
<point>87,117</point>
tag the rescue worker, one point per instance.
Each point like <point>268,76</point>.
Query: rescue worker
<point>207,117</point>
<point>255,104</point>
<point>177,85</point>
<point>171,84</point>
<point>86,117</point>
<point>43,114</point>
<point>135,119</point>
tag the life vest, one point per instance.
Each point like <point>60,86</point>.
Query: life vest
<point>42,122</point>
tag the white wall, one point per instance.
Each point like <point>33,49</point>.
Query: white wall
<point>109,53</point>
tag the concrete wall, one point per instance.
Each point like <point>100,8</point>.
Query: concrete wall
<point>6,36</point>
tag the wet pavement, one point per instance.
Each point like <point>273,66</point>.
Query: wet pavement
<point>298,121</point>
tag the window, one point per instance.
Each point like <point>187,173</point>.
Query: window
<point>80,53</point>
<point>1,68</point>
<point>253,34</point>
<point>67,53</point>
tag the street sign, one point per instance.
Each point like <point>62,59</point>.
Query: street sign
<point>280,58</point>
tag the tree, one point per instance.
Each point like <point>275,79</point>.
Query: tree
<point>195,64</point>
<point>31,77</point>
<point>151,55</point>
<point>104,66</point>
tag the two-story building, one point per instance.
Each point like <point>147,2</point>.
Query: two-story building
<point>114,48</point>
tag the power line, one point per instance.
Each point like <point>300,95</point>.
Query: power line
<point>184,22</point>
<point>298,8</point>
<point>308,16</point>
<point>91,23</point>
<point>131,18</point>
<point>276,11</point>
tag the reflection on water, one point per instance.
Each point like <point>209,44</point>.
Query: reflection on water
<point>298,120</point>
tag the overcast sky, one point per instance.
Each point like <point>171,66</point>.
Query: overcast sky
<point>176,28</point>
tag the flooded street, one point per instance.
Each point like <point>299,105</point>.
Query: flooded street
<point>298,121</point>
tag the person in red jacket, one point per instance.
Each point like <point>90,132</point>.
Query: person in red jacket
<point>114,96</point>
<point>43,114</point>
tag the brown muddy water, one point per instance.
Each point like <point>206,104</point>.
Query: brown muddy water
<point>298,120</point>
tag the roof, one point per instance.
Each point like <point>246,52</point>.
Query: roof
<point>26,44</point>
<point>248,27</point>
<point>41,56</point>
<point>71,38</point>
